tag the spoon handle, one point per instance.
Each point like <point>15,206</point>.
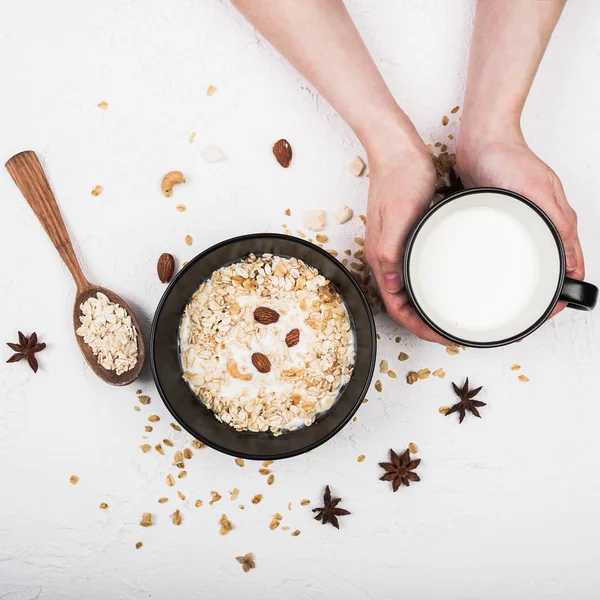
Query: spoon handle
<point>28,174</point>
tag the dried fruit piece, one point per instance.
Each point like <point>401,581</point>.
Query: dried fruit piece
<point>292,338</point>
<point>315,220</point>
<point>283,153</point>
<point>261,362</point>
<point>232,369</point>
<point>177,517</point>
<point>169,180</point>
<point>146,520</point>
<point>226,525</point>
<point>212,154</point>
<point>342,213</point>
<point>97,190</point>
<point>265,315</point>
<point>73,479</point>
<point>357,167</point>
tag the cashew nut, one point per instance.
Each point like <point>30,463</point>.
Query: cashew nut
<point>233,370</point>
<point>169,180</point>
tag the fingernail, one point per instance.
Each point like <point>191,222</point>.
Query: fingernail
<point>571,260</point>
<point>391,283</point>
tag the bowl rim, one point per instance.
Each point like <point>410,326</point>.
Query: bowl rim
<point>373,334</point>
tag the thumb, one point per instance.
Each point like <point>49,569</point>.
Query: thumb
<point>390,252</point>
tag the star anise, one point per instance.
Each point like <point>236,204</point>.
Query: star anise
<point>329,513</point>
<point>400,470</point>
<point>466,401</point>
<point>26,348</point>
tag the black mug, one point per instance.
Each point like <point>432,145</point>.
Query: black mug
<point>486,267</point>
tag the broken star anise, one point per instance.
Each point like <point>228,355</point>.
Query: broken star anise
<point>329,513</point>
<point>466,401</point>
<point>26,348</point>
<point>400,470</point>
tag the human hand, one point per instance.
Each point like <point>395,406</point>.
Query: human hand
<point>507,162</point>
<point>401,185</point>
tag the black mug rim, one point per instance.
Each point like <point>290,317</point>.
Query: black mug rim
<point>373,334</point>
<point>494,343</point>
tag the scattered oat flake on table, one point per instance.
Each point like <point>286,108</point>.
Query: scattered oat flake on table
<point>188,240</point>
<point>153,418</point>
<point>74,479</point>
<point>182,474</point>
<point>215,497</point>
<point>163,500</point>
<point>413,448</point>
<point>239,462</point>
<point>175,426</point>
<point>247,561</point>
<point>285,528</point>
<point>361,458</point>
<point>392,374</point>
<point>403,356</point>
<point>445,120</point>
<point>439,373</point>
<point>97,190</point>
<point>257,498</point>
<point>210,90</point>
<point>271,479</point>
<point>159,449</point>
<point>360,241</point>
<point>102,105</point>
<point>145,448</point>
<point>296,533</point>
<point>198,503</point>
<point>187,453</point>
<point>192,137</point>
<point>212,154</point>
<point>144,399</point>
<point>383,367</point>
<point>332,252</point>
<point>169,180</point>
<point>170,480</point>
<point>452,350</point>
<point>288,212</point>
<point>177,517</point>
<point>234,494</point>
<point>515,367</point>
<point>138,545</point>
<point>146,519</point>
<point>412,377</point>
<point>443,410</point>
<point>267,463</point>
<point>168,442</point>
<point>181,495</point>
<point>226,525</point>
<point>305,502</point>
<point>137,408</point>
<point>357,167</point>
<point>378,385</point>
<point>455,110</point>
<point>342,214</point>
<point>274,524</point>
<point>363,218</point>
<point>197,444</point>
<point>180,207</point>
<point>424,373</point>
<point>321,237</point>
<point>523,378</point>
<point>103,505</point>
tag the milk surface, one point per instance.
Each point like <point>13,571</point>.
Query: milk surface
<point>478,269</point>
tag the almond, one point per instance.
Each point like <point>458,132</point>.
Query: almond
<point>292,338</point>
<point>265,315</point>
<point>261,362</point>
<point>165,267</point>
<point>283,153</point>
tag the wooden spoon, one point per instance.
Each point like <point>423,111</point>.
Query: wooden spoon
<point>28,174</point>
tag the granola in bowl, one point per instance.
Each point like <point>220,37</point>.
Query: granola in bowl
<point>267,344</point>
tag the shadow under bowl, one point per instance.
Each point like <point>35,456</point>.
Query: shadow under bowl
<point>187,408</point>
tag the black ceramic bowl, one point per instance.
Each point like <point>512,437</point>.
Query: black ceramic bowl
<point>191,413</point>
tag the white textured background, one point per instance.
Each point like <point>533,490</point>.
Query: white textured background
<point>508,506</point>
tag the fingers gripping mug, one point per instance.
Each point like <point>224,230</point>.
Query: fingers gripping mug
<point>486,267</point>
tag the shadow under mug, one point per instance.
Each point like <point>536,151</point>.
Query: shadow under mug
<point>549,286</point>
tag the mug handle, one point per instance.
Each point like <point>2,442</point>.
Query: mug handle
<point>580,295</point>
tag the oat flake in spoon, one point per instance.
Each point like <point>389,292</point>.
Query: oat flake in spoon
<point>107,329</point>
